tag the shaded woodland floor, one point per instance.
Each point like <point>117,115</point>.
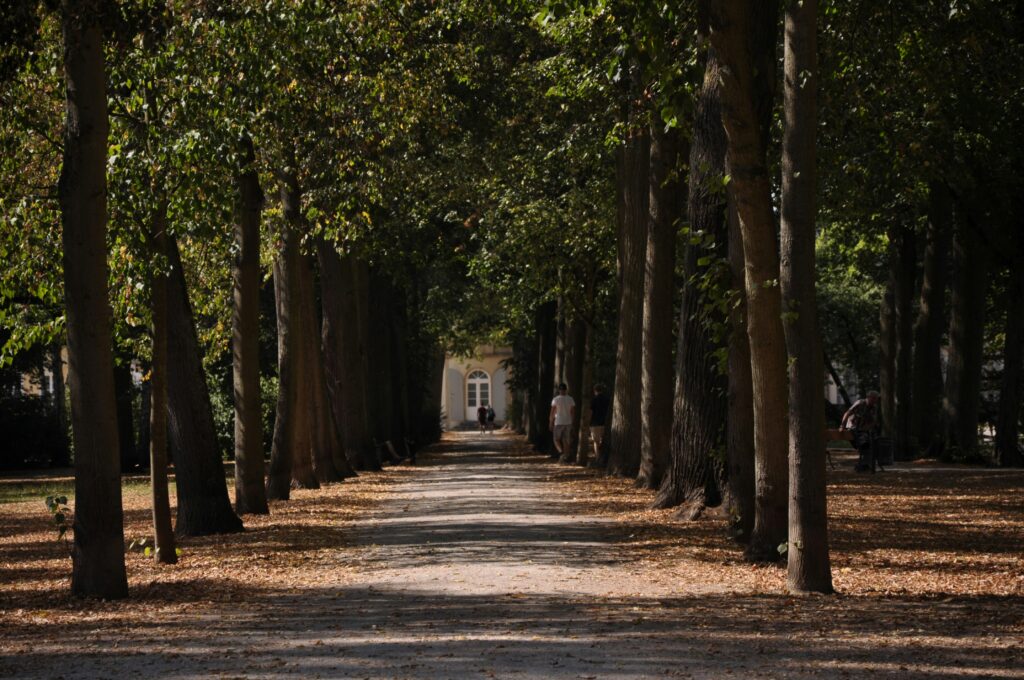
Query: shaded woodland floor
<point>489,561</point>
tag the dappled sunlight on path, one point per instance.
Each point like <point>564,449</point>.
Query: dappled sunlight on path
<point>487,560</point>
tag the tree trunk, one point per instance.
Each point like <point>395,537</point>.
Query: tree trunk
<point>279,474</point>
<point>966,339</point>
<point>203,503</point>
<point>837,379</point>
<point>584,447</point>
<point>732,29</point>
<point>575,341</point>
<point>905,279</point>
<point>98,558</point>
<point>544,329</point>
<point>62,458</point>
<point>665,205</point>
<point>695,473</point>
<point>344,357</point>
<point>808,558</point>
<point>560,342</point>
<point>145,406</point>
<point>164,548</point>
<point>292,448</point>
<point>381,391</point>
<point>1008,451</point>
<point>626,432</point>
<point>325,441</point>
<point>926,408</point>
<point>250,493</point>
<point>887,348</point>
<point>739,438</point>
<point>123,394</point>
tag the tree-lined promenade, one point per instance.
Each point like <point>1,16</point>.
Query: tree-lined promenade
<point>252,232</point>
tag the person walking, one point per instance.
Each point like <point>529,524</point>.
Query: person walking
<point>599,406</point>
<point>491,415</point>
<point>481,417</point>
<point>563,412</point>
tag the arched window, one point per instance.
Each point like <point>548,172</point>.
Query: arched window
<point>478,391</point>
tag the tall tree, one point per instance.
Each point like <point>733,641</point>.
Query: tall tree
<point>164,548</point>
<point>732,29</point>
<point>807,553</point>
<point>664,207</point>
<point>1008,450</point>
<point>903,297</point>
<point>695,473</point>
<point>926,408</point>
<point>250,495</point>
<point>966,335</point>
<point>625,434</point>
<point>98,557</point>
<point>203,503</point>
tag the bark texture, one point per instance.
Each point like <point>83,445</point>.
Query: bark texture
<point>203,503</point>
<point>695,472</point>
<point>98,555</point>
<point>625,432</point>
<point>732,29</point>
<point>926,408</point>
<point>664,206</point>
<point>250,493</point>
<point>807,554</point>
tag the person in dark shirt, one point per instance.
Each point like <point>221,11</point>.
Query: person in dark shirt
<point>599,406</point>
<point>481,417</point>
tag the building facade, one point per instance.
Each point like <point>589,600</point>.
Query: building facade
<point>472,381</point>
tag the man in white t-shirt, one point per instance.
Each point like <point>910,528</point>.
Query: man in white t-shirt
<point>563,412</point>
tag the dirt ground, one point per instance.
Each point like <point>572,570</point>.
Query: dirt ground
<point>486,560</point>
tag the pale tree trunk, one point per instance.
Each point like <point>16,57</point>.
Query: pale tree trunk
<point>203,503</point>
<point>625,432</point>
<point>250,494</point>
<point>98,556</point>
<point>926,408</point>
<point>1008,451</point>
<point>164,549</point>
<point>966,338</point>
<point>732,30</point>
<point>903,297</point>
<point>665,205</point>
<point>694,475</point>
<point>807,554</point>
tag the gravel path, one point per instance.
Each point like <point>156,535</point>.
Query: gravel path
<point>477,567</point>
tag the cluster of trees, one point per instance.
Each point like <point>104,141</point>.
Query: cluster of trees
<point>284,213</point>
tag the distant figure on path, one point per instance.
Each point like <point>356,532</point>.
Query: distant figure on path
<point>599,406</point>
<point>862,419</point>
<point>490,417</point>
<point>481,416</point>
<point>563,412</point>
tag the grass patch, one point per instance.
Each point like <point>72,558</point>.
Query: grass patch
<point>25,490</point>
